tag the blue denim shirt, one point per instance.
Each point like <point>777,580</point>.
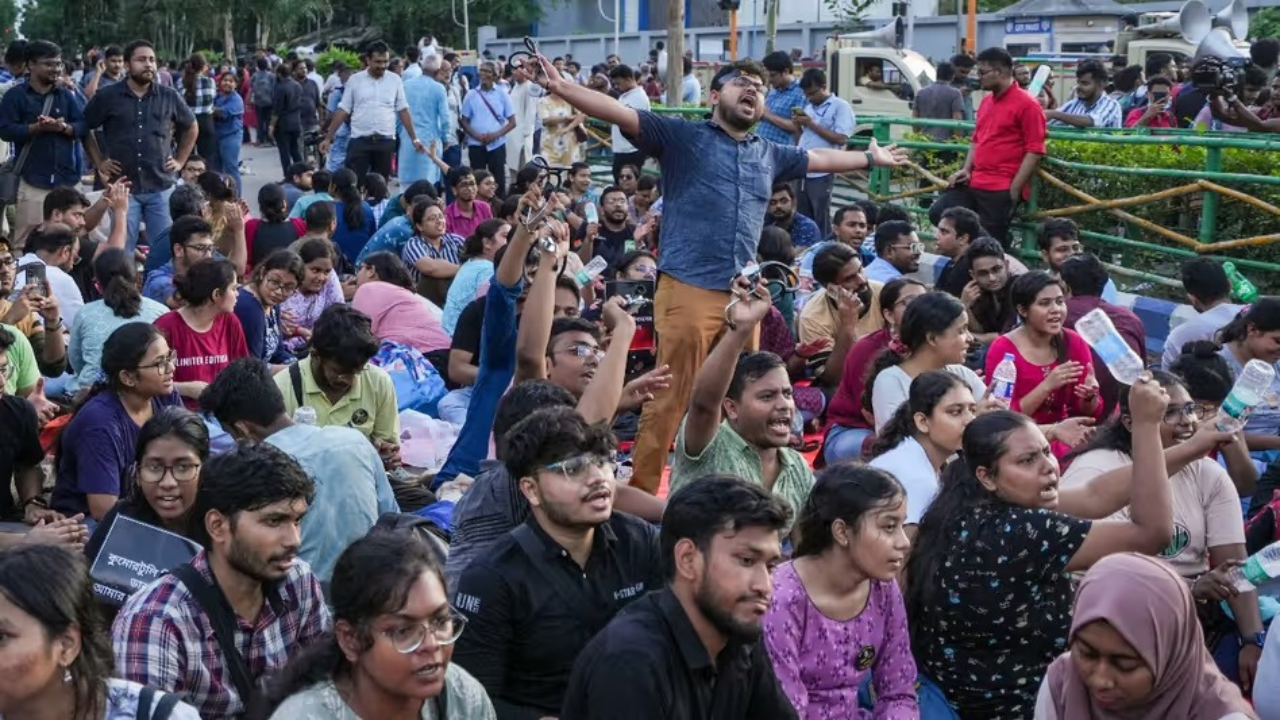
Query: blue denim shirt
<point>780,103</point>
<point>51,162</point>
<point>715,193</point>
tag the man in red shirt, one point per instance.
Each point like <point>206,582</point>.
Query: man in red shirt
<point>1008,142</point>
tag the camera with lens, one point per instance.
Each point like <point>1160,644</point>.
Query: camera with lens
<point>1216,76</point>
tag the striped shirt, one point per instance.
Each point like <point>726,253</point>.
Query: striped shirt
<point>1105,112</point>
<point>416,249</point>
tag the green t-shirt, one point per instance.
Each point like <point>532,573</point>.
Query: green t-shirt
<point>22,359</point>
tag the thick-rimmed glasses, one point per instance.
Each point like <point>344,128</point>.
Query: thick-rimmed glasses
<point>280,287</point>
<point>183,472</point>
<point>444,630</point>
<point>164,364</point>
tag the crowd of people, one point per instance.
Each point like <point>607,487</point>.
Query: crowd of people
<point>720,451</point>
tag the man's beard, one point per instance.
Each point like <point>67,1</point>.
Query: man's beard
<point>243,561</point>
<point>722,620</point>
<point>735,119</point>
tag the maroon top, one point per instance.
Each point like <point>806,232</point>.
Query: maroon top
<point>846,406</point>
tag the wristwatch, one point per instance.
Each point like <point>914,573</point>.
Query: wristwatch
<point>871,159</point>
<point>1259,639</point>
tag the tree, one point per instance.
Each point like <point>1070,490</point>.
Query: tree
<point>849,13</point>
<point>1265,23</point>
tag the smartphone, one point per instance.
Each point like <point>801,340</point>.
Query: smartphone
<point>36,277</point>
<point>797,111</point>
<point>1158,96</point>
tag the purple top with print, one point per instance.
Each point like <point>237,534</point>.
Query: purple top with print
<point>821,662</point>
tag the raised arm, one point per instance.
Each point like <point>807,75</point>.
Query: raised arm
<point>598,105</point>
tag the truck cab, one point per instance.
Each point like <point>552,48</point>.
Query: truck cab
<point>903,73</point>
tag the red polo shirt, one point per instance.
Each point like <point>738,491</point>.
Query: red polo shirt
<point>459,224</point>
<point>1009,126</point>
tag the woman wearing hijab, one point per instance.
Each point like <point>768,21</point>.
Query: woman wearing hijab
<point>1136,651</point>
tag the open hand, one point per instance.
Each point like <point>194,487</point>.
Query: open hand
<point>890,156</point>
<point>69,532</point>
<point>1065,374</point>
<point>1074,432</point>
<point>642,389</point>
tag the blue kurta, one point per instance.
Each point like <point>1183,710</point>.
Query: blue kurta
<point>429,108</point>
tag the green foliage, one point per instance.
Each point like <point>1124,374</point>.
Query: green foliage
<point>213,57</point>
<point>326,59</point>
<point>849,13</point>
<point>1265,23</point>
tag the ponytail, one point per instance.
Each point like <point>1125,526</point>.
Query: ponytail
<point>1263,316</point>
<point>118,279</point>
<point>926,392</point>
<point>345,188</point>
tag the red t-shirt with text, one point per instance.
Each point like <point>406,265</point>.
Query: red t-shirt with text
<point>201,356</point>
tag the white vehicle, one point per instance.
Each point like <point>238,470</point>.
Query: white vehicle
<point>852,57</point>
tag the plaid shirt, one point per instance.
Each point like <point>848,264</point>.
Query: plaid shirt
<point>206,91</point>
<point>1104,111</point>
<point>163,638</point>
<point>417,248</point>
<point>780,103</point>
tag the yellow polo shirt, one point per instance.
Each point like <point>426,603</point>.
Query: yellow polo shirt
<point>370,405</point>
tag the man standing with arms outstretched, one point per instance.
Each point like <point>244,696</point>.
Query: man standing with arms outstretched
<point>716,180</point>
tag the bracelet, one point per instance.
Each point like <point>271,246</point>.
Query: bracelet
<point>871,159</point>
<point>37,501</point>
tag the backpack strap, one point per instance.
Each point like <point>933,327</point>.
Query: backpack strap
<point>221,616</point>
<point>145,698</point>
<point>164,709</point>
<point>295,379</point>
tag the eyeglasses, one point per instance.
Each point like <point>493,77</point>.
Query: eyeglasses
<point>1190,410</point>
<point>278,286</point>
<point>164,364</point>
<point>626,177</point>
<point>647,271</point>
<point>1206,409</point>
<point>444,630</point>
<point>575,468</point>
<point>200,249</point>
<point>9,261</point>
<point>153,472</point>
<point>915,248</point>
<point>744,83</point>
<point>584,351</point>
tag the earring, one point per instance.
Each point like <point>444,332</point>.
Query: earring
<point>66,675</point>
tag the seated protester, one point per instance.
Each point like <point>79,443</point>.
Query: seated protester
<point>646,194</point>
<point>190,241</point>
<point>838,600</point>
<point>204,333</point>
<point>613,236</point>
<point>922,435</point>
<point>465,213</point>
<point>1209,293</point>
<point>274,281</point>
<point>775,246</point>
<point>351,487</point>
<point>321,182</point>
<point>275,230</point>
<point>97,447</point>
<point>55,246</point>
<point>23,377</point>
<point>542,591</point>
<point>803,230</point>
<point>376,194</point>
<point>477,267</point>
<point>1092,107</point>
<point>247,511</point>
<point>388,595</point>
<point>298,182</point>
<point>432,255</point>
<point>1056,380</point>
<point>30,312</point>
<point>1058,240</point>
<point>385,293</point>
<point>183,201</point>
<point>227,214</point>
<point>21,454</point>
<point>1209,379</point>
<point>848,227</point>
<point>845,308</point>
<point>48,602</point>
<point>1208,535</point>
<point>850,424</point>
<point>337,381</point>
<point>986,296</point>
<point>987,583</point>
<point>1157,113</point>
<point>1135,611</point>
<point>721,537</point>
<point>776,338</point>
<point>740,414</point>
<point>934,335</point>
<point>1084,278</point>
<point>898,251</point>
<point>121,303</point>
<point>956,230</point>
<point>355,218</point>
<point>319,290</point>
<point>1254,334</point>
<point>394,230</point>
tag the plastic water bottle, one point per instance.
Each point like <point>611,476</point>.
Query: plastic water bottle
<point>593,270</point>
<point>1253,384</point>
<point>1006,378</point>
<point>1257,570</point>
<point>305,415</point>
<point>1096,329</point>
<point>1241,288</point>
<point>590,213</point>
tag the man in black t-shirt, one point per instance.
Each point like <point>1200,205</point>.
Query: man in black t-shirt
<point>614,232</point>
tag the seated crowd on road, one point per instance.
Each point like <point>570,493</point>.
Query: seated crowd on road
<point>424,433</point>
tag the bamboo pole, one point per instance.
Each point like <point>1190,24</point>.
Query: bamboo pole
<point>1140,222</point>
<point>1124,202</point>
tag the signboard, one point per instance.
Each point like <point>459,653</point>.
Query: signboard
<point>133,555</point>
<point>1028,26</point>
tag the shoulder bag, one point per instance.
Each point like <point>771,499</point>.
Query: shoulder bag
<point>11,173</point>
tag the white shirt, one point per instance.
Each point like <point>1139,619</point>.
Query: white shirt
<point>911,465</point>
<point>892,386</point>
<point>63,286</point>
<point>690,90</point>
<point>636,99</point>
<point>373,104</point>
<point>411,71</point>
<point>524,102</point>
<point>1200,327</point>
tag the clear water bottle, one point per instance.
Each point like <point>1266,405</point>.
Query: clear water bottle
<point>1257,570</point>
<point>1253,384</point>
<point>1242,288</point>
<point>1006,378</point>
<point>590,213</point>
<point>593,270</point>
<point>305,415</point>
<point>1096,329</point>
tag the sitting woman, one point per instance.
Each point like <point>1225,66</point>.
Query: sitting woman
<point>988,596</point>
<point>775,246</point>
<point>117,277</point>
<point>1208,379</point>
<point>318,290</point>
<point>274,281</point>
<point>385,293</point>
<point>355,218</point>
<point>97,446</point>
<point>922,435</point>
<point>1206,510</point>
<point>1255,335</point>
<point>49,615</point>
<point>432,254</point>
<point>275,230</point>
<point>849,424</point>
<point>837,614</point>
<point>204,333</point>
<point>391,619</point>
<point>934,335</point>
<point>1055,366</point>
<point>1136,650</point>
<point>227,214</point>
<point>477,267</point>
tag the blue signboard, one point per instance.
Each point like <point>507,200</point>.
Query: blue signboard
<point>1028,26</point>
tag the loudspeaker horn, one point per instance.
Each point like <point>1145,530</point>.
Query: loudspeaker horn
<point>1234,17</point>
<point>1192,22</point>
<point>887,35</point>
<point>1218,43</point>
